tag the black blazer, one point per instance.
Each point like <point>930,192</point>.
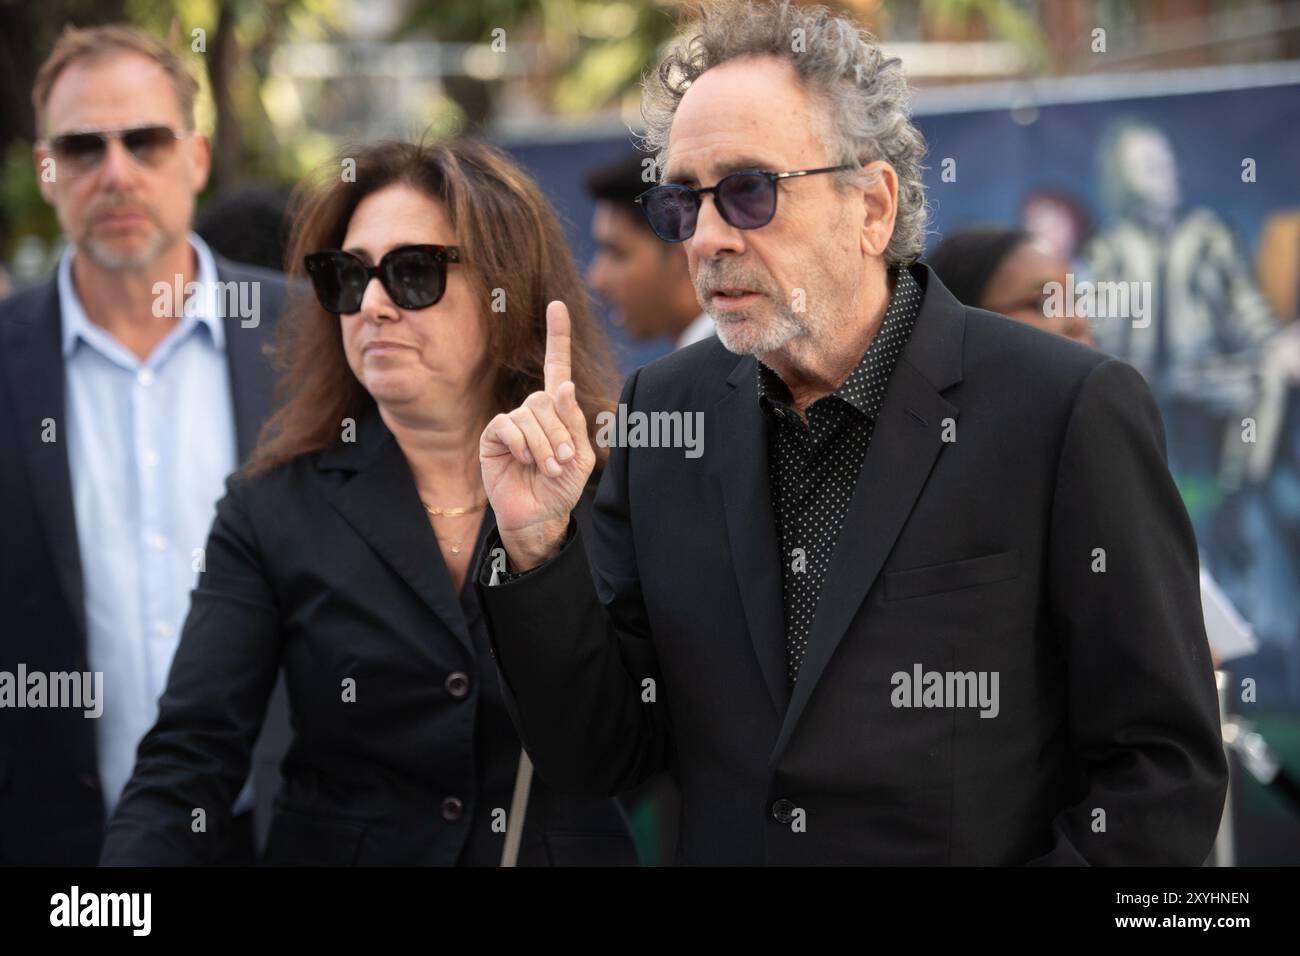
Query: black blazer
<point>51,809</point>
<point>402,746</point>
<point>971,555</point>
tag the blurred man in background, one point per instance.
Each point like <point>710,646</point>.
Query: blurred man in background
<point>646,281</point>
<point>131,384</point>
<point>649,285</point>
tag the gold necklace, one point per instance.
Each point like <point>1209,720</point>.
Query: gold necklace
<point>452,513</point>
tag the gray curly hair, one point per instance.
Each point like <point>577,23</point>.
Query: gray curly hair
<point>868,112</point>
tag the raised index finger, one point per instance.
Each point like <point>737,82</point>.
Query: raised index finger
<point>557,369</point>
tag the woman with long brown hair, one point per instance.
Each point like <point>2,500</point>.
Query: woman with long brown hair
<point>341,554</point>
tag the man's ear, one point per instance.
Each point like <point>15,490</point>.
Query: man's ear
<point>46,171</point>
<point>200,148</point>
<point>880,206</point>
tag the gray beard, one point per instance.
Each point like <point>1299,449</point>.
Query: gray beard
<point>123,262</point>
<point>774,337</point>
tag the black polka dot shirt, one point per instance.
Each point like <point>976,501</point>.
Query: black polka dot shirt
<point>813,468</point>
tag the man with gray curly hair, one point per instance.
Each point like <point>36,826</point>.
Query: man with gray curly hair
<point>828,101</point>
<point>917,587</point>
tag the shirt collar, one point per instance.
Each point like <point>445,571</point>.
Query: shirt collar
<point>701,328</point>
<point>864,389</point>
<point>200,308</point>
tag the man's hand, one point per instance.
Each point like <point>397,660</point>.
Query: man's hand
<point>536,460</point>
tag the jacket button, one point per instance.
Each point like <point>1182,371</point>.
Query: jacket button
<point>90,780</point>
<point>783,810</point>
<point>452,809</point>
<point>457,684</point>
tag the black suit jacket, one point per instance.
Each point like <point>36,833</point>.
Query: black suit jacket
<point>965,556</point>
<point>51,808</point>
<point>403,752</point>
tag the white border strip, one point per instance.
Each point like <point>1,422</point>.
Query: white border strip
<point>1053,91</point>
<point>969,98</point>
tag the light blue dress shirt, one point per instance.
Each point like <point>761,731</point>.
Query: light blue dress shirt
<point>149,445</point>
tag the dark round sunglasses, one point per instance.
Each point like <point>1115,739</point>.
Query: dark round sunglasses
<point>745,199</point>
<point>415,277</point>
<point>81,152</point>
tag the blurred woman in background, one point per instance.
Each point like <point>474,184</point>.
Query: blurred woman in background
<point>1007,271</point>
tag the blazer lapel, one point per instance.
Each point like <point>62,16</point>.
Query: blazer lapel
<point>907,440</point>
<point>32,348</point>
<point>740,467</point>
<point>382,505</point>
<point>252,380</point>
